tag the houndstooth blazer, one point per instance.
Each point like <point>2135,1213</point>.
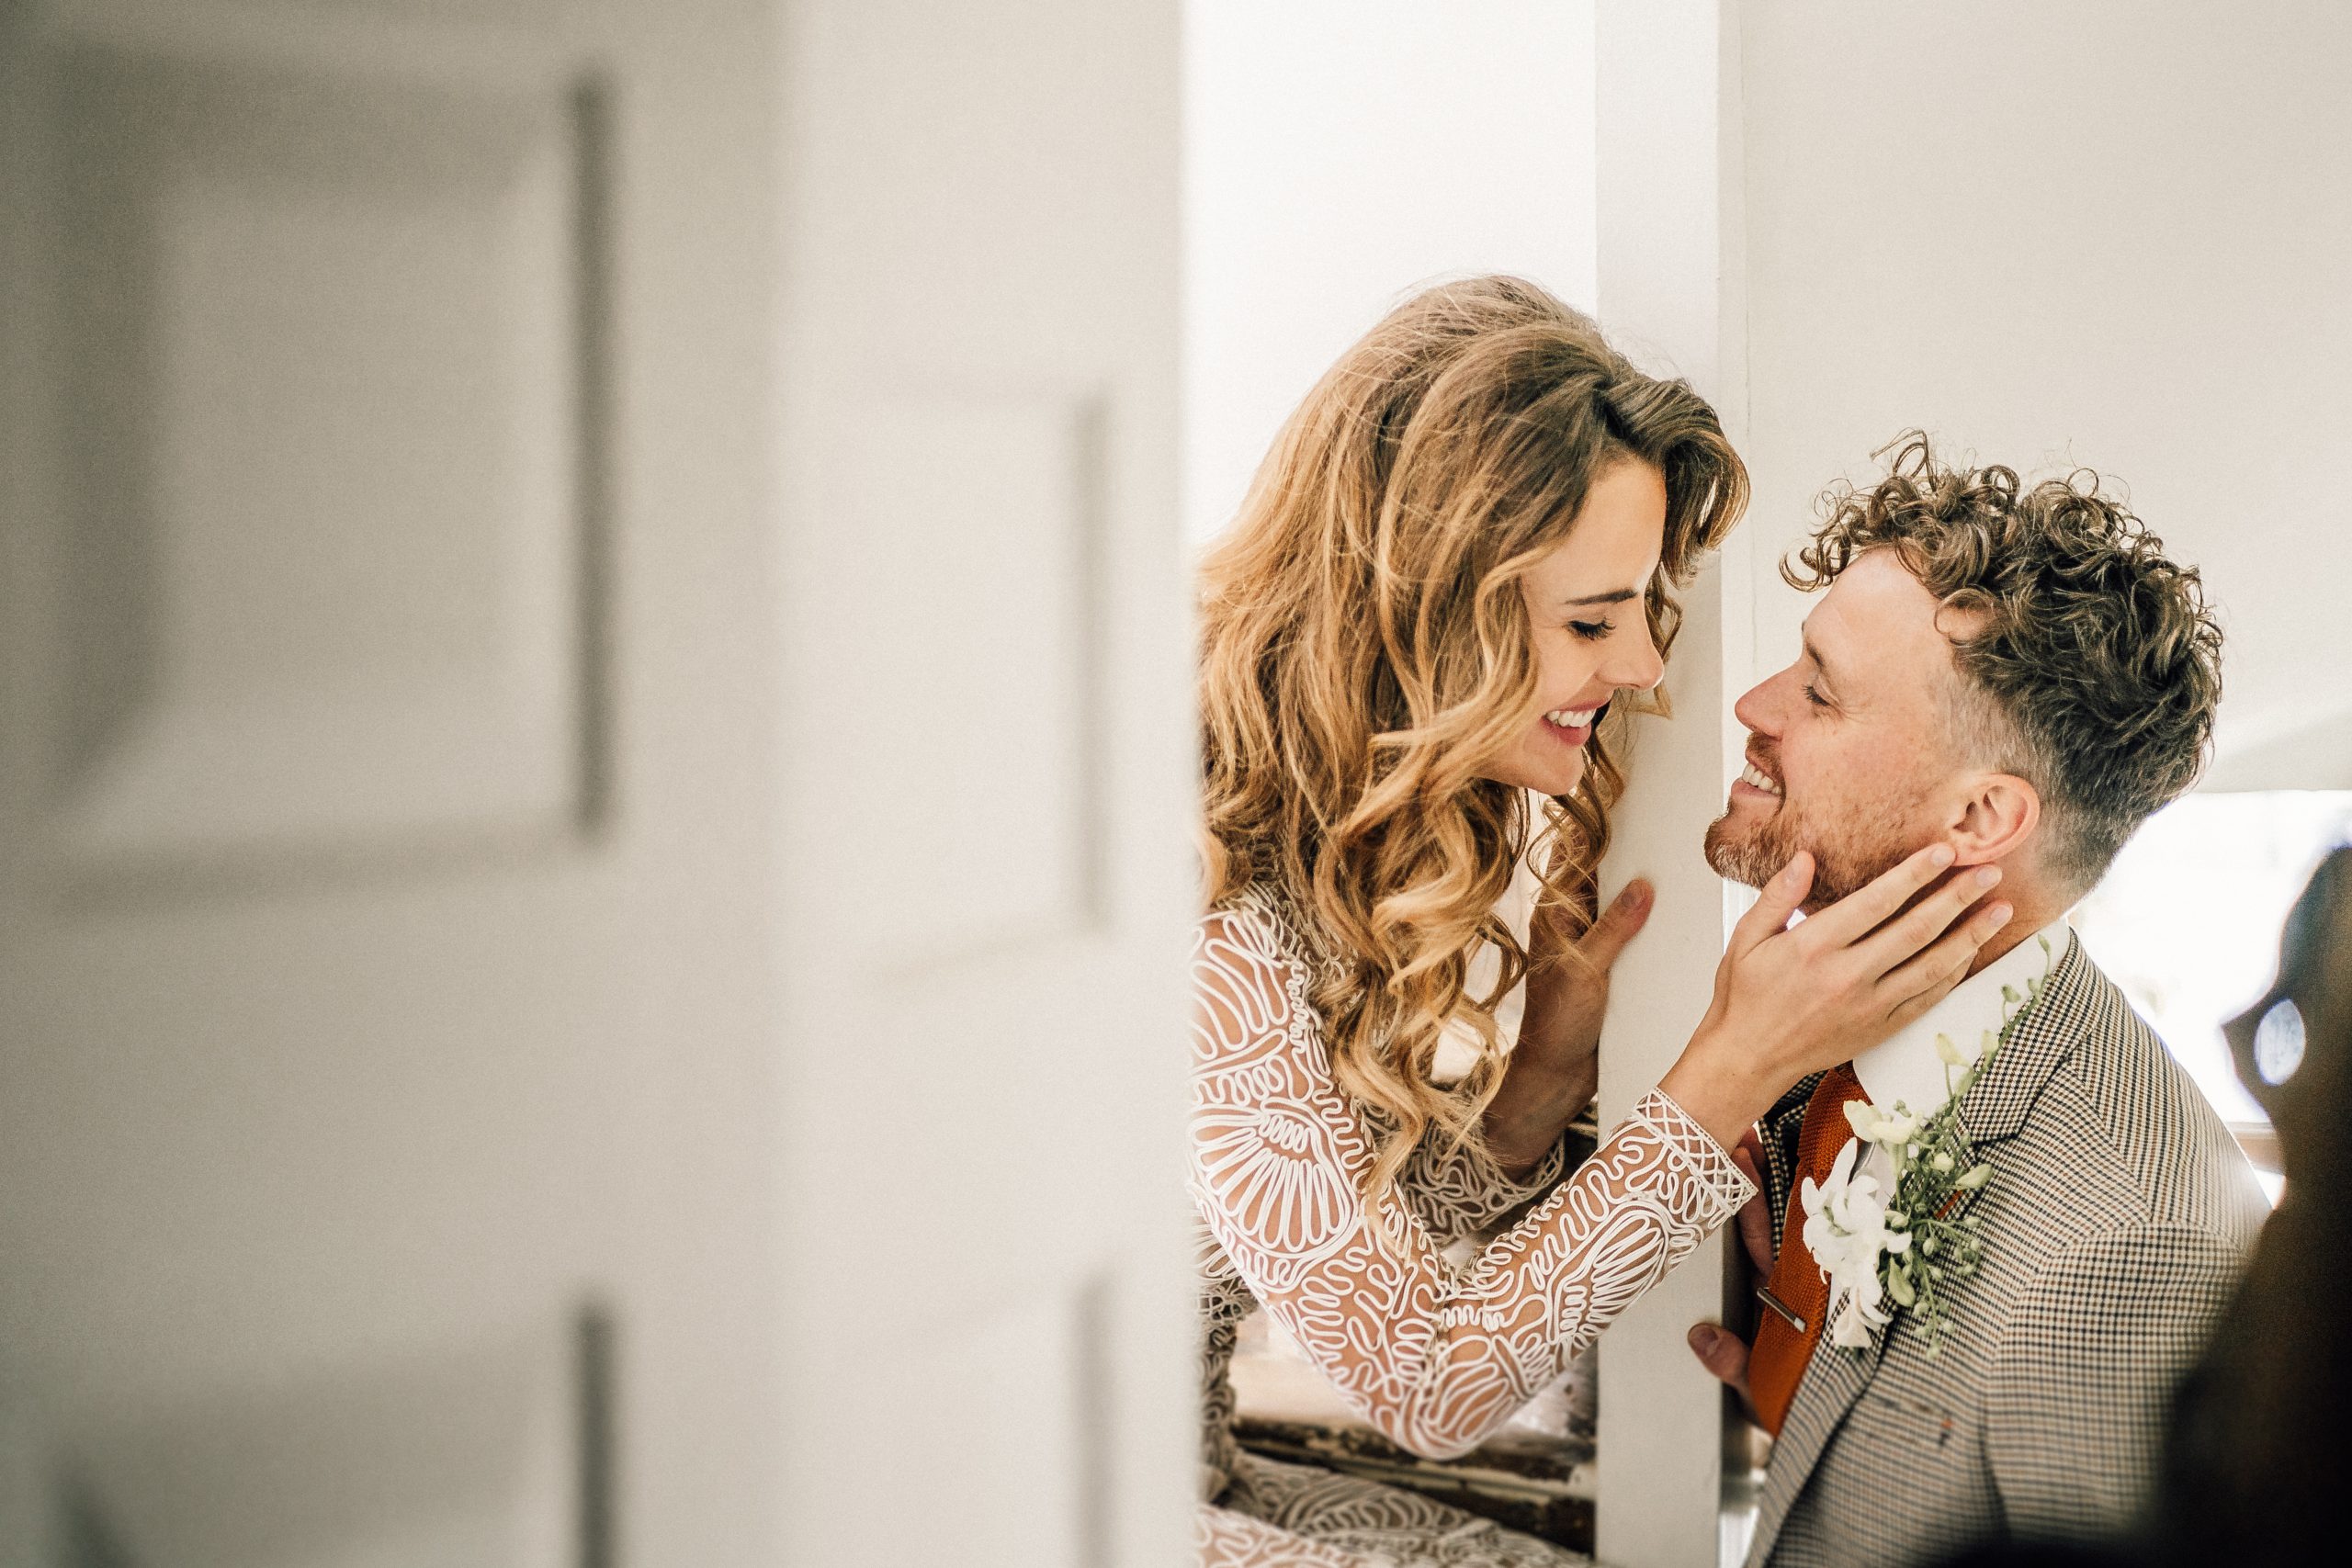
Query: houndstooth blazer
<point>2115,1224</point>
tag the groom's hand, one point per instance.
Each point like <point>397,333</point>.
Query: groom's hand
<point>1720,1350</point>
<point>1724,1354</point>
<point>1755,1219</point>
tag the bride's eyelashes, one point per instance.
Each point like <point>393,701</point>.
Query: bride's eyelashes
<point>1592,631</point>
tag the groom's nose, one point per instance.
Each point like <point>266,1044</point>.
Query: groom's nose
<point>1752,708</point>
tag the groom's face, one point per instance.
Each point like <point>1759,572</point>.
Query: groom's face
<point>1848,749</point>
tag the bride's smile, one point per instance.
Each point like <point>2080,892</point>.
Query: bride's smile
<point>1588,625</point>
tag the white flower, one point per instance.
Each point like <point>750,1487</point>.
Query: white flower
<point>1888,1127</point>
<point>1856,1234</point>
<point>1847,1232</point>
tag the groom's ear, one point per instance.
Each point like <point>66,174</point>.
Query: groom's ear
<point>1995,819</point>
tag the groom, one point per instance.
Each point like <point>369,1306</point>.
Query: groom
<point>2018,672</point>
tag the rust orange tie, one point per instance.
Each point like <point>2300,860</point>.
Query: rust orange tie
<point>1796,1298</point>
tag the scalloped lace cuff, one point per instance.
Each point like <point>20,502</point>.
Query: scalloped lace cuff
<point>1722,1186</point>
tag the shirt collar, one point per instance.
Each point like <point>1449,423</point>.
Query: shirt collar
<point>1907,1068</point>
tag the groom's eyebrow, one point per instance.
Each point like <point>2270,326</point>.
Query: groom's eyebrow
<point>1819,663</point>
<point>1614,596</point>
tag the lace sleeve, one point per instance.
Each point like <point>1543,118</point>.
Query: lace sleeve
<point>1457,1192</point>
<point>1433,1356</point>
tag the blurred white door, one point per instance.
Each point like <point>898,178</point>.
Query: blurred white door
<point>988,868</point>
<point>593,784</point>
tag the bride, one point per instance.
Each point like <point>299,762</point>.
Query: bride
<point>1455,561</point>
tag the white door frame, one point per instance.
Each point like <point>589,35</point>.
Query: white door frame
<point>1672,295</point>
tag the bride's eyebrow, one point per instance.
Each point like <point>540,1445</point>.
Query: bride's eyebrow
<point>1614,596</point>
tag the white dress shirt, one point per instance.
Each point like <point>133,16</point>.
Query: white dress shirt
<point>1907,1067</point>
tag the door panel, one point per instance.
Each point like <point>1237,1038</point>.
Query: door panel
<point>592,671</point>
<point>319,526</point>
<point>987,969</point>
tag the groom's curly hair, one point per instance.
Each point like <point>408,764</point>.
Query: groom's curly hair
<point>2087,662</point>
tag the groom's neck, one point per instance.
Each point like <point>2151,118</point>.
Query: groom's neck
<point>2033,906</point>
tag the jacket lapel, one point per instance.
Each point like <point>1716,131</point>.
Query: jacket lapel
<point>1833,1380</point>
<point>1778,1132</point>
<point>2066,1011</point>
<point>1996,1108</point>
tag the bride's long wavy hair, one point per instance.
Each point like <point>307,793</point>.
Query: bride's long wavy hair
<point>1366,656</point>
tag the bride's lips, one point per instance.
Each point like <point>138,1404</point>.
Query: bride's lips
<point>1573,735</point>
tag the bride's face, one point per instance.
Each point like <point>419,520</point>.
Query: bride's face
<point>1584,612</point>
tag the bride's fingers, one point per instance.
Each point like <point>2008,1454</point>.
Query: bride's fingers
<point>1619,924</point>
<point>1926,980</point>
<point>1779,898</point>
<point>1863,911</point>
<point>1892,944</point>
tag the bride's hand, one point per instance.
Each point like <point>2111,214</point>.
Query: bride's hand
<point>1794,1001</point>
<point>1552,1072</point>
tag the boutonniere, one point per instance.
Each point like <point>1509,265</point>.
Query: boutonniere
<point>1883,1252</point>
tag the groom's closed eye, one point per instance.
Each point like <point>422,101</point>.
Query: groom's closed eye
<point>1820,689</point>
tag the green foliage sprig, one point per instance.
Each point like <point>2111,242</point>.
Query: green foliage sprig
<point>1935,1168</point>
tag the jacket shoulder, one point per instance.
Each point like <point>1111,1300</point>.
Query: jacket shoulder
<point>2125,1138</point>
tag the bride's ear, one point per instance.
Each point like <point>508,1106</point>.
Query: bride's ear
<point>1995,819</point>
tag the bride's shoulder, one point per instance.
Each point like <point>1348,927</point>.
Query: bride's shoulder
<point>1261,929</point>
<point>1249,978</point>
<point>1267,915</point>
<point>1259,919</point>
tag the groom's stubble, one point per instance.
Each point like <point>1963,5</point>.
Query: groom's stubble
<point>1852,842</point>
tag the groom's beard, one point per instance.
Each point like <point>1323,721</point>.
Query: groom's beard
<point>1867,842</point>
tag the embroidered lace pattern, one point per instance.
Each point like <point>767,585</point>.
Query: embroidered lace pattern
<point>1433,1355</point>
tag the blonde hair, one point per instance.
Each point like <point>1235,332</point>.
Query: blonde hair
<point>1365,653</point>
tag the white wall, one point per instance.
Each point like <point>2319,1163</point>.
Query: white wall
<point>1340,151</point>
<point>2101,232</point>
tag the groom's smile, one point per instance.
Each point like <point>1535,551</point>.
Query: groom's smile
<point>1846,746</point>
<point>1759,779</point>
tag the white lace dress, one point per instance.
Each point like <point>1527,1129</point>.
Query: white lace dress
<point>1436,1356</point>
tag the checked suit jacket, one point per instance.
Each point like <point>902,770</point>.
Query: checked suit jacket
<point>2116,1222</point>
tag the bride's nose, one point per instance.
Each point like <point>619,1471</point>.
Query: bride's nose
<point>1638,667</point>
